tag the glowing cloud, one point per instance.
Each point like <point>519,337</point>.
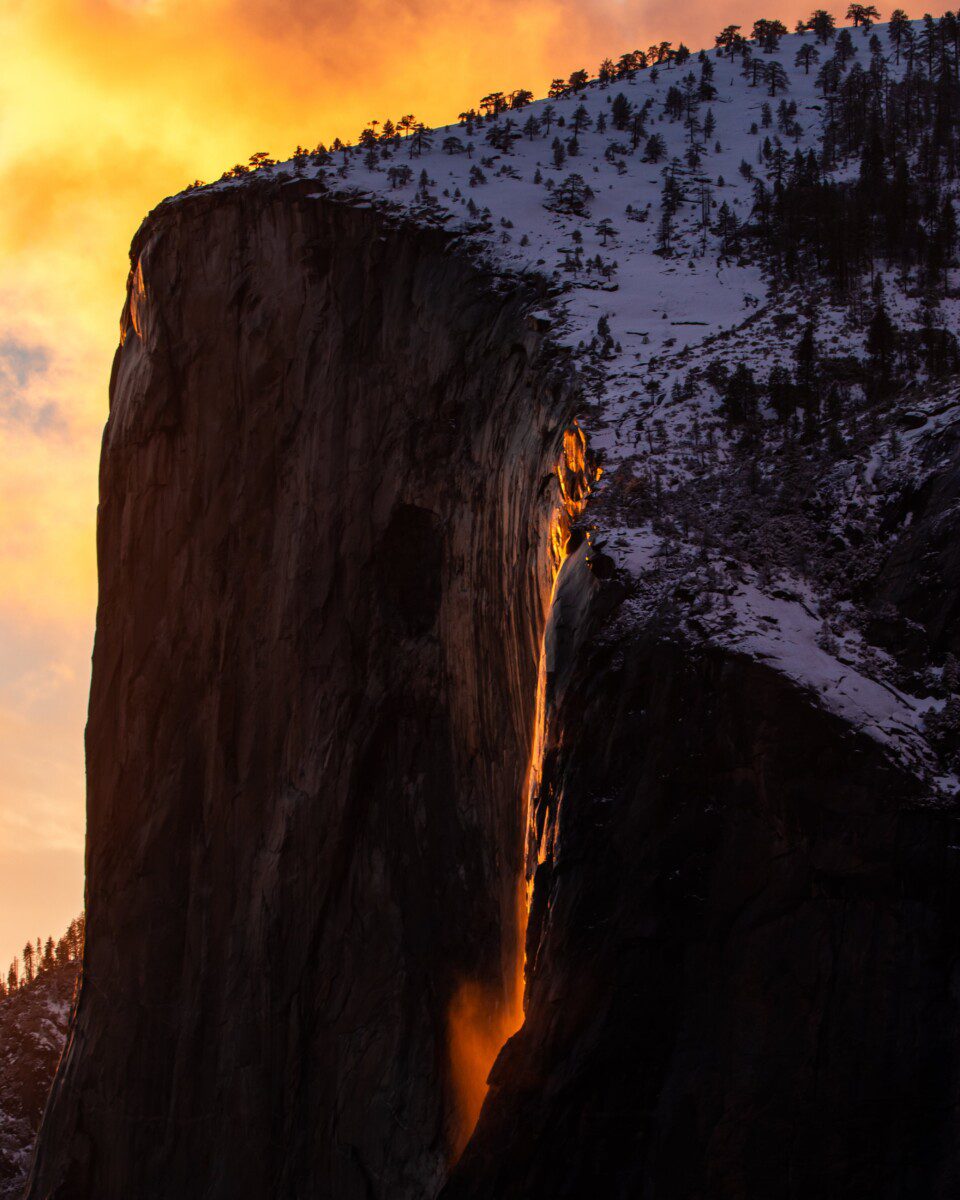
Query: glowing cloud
<point>107,106</point>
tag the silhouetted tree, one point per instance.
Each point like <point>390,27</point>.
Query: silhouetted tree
<point>899,30</point>
<point>822,24</point>
<point>777,78</point>
<point>862,14</point>
<point>571,197</point>
<point>605,230</point>
<point>726,39</point>
<point>655,150</point>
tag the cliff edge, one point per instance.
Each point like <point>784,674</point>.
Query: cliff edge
<point>328,488</point>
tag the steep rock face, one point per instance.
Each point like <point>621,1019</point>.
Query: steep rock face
<point>742,944</point>
<point>327,537</point>
<point>327,486</point>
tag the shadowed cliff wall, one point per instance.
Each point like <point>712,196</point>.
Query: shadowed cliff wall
<point>742,947</point>
<point>326,491</point>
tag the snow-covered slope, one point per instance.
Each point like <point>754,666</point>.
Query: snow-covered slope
<point>759,547</point>
<point>33,1029</point>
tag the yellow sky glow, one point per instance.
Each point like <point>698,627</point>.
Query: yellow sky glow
<point>107,106</point>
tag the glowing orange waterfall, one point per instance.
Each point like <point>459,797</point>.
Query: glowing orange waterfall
<point>481,1018</point>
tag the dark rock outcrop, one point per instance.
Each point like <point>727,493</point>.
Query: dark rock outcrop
<point>327,485</point>
<point>741,952</point>
<point>919,582</point>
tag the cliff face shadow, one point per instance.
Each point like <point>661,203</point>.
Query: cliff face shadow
<point>324,566</point>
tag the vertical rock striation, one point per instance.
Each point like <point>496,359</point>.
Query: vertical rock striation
<point>327,488</point>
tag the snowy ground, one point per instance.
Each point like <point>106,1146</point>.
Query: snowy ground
<point>669,316</point>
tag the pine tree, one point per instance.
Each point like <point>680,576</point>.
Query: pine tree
<point>740,396</point>
<point>503,136</point>
<point>844,49</point>
<point>620,111</point>
<point>399,176</point>
<point>807,55</point>
<point>822,24</point>
<point>768,34</point>
<point>420,140</point>
<point>661,52</point>
<point>494,104</point>
<point>828,77</point>
<point>78,927</point>
<point>899,30</point>
<point>580,119</point>
<point>728,229</point>
<point>726,39</point>
<point>881,340</point>
<point>605,230</point>
<point>671,198</point>
<point>629,63</point>
<point>655,150</point>
<point>571,197</point>
<point>862,14</point>
<point>777,78</point>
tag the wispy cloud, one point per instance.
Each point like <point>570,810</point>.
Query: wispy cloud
<point>20,367</point>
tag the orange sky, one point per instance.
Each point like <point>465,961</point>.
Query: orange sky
<point>106,106</point>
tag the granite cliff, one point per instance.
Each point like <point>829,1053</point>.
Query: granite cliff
<point>328,490</point>
<point>418,749</point>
